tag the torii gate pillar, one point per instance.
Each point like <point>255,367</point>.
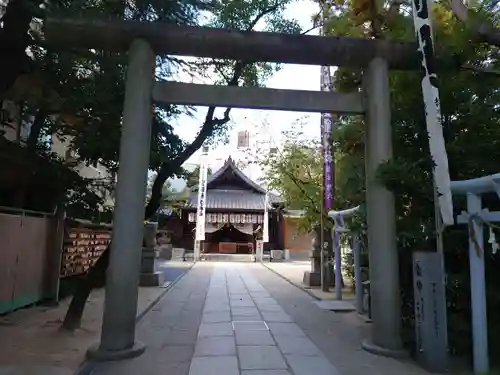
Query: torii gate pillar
<point>381,218</point>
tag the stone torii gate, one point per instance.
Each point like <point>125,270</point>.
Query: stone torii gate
<point>143,41</point>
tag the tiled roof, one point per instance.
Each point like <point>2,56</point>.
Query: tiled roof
<point>230,200</point>
<point>219,196</point>
<point>230,166</point>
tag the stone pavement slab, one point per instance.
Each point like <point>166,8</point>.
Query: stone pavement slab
<point>242,319</point>
<point>337,335</point>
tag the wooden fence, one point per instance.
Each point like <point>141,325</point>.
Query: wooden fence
<point>38,249</point>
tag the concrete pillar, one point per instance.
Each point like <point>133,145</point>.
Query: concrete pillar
<point>478,291</point>
<point>358,283</point>
<point>338,264</point>
<point>120,306</point>
<point>381,220</point>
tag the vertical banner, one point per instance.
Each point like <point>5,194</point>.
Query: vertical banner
<point>326,135</point>
<point>432,107</point>
<point>265,228</point>
<point>202,195</point>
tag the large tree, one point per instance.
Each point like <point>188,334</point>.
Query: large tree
<point>471,118</point>
<point>241,15</point>
<point>295,169</point>
<point>77,95</point>
<point>483,22</point>
<point>226,13</point>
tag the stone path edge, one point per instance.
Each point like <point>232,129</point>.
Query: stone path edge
<point>362,317</point>
<point>88,367</point>
<point>293,283</point>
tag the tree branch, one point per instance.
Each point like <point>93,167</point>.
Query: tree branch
<point>485,32</point>
<point>300,184</point>
<point>479,70</point>
<point>36,129</point>
<point>209,126</point>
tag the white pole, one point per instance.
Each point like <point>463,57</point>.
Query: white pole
<point>265,230</point>
<point>200,211</point>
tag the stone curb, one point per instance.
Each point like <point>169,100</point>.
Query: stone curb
<point>88,367</point>
<point>293,283</point>
<point>363,318</point>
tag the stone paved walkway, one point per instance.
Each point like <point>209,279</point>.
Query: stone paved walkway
<point>242,319</point>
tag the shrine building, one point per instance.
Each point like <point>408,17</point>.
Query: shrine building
<point>235,212</point>
<point>234,217</point>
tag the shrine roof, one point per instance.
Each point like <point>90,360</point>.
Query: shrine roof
<point>230,200</point>
<point>230,189</point>
<point>229,175</point>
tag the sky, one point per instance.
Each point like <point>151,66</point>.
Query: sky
<point>301,77</point>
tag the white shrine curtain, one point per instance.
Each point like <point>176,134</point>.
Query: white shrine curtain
<point>213,227</point>
<point>245,228</point>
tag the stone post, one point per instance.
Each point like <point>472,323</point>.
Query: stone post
<point>381,218</point>
<point>149,277</point>
<point>122,278</point>
<point>313,277</point>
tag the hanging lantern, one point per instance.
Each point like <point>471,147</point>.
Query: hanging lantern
<point>191,217</point>
<point>225,218</point>
<point>249,218</point>
<point>254,219</point>
<point>243,219</point>
<point>231,218</point>
<point>237,219</point>
<point>219,218</point>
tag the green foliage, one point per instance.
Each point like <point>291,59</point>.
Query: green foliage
<point>78,95</point>
<point>295,170</point>
<point>192,178</point>
<point>471,119</point>
<point>246,15</point>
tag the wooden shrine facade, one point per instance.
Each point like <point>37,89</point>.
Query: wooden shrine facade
<point>234,218</point>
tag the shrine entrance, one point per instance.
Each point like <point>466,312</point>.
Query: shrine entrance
<point>144,40</point>
<point>230,239</point>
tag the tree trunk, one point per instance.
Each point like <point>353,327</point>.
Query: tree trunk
<point>36,129</point>
<point>95,276</point>
<point>14,39</point>
<point>97,272</point>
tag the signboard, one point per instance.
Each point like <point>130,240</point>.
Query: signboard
<point>82,247</point>
<point>202,196</point>
<point>430,311</point>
